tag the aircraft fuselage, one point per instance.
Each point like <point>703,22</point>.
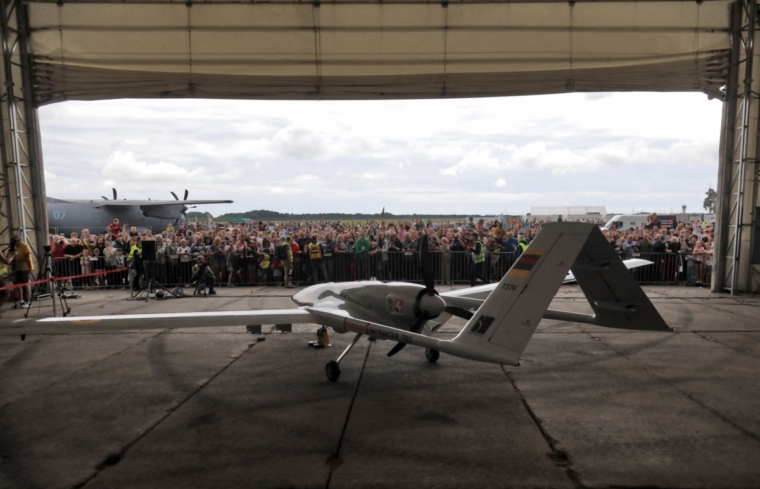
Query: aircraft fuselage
<point>67,216</point>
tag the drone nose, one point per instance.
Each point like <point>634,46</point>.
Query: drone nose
<point>432,305</point>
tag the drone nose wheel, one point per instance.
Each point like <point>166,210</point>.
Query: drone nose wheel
<point>332,369</point>
<point>432,355</point>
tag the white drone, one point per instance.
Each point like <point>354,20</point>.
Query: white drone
<point>501,317</point>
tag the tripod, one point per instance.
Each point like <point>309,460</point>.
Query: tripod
<point>149,284</point>
<point>48,272</point>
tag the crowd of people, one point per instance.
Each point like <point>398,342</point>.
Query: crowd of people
<point>675,249</point>
<point>309,252</point>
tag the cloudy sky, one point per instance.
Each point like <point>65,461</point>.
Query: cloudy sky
<point>483,156</point>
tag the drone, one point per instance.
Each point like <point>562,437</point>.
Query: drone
<point>500,317</point>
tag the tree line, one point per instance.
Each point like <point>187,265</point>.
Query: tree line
<point>267,215</point>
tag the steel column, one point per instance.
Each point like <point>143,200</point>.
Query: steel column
<point>737,176</point>
<point>23,206</point>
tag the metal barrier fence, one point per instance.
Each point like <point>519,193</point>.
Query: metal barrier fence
<point>673,268</point>
<point>452,267</point>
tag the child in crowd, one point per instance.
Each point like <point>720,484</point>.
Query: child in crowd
<point>86,266</point>
<point>264,265</point>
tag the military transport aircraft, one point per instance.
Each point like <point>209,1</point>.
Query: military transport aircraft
<point>65,216</point>
<point>501,318</point>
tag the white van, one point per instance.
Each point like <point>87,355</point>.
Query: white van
<point>626,222</point>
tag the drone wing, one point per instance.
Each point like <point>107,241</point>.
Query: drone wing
<point>98,324</point>
<point>483,291</point>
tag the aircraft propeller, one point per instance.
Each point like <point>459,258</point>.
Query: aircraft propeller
<point>184,207</point>
<point>428,304</point>
<point>114,195</point>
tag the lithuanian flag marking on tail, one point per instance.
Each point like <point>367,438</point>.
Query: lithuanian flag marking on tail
<point>525,264</point>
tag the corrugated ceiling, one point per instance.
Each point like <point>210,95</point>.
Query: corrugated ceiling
<point>370,50</point>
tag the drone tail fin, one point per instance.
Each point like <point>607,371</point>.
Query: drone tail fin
<point>502,327</point>
<point>614,295</point>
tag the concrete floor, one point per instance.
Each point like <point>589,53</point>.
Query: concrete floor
<point>589,407</point>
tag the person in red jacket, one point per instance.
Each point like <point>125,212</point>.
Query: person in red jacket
<point>115,228</point>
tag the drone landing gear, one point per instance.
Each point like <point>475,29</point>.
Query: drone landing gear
<point>432,355</point>
<point>332,369</point>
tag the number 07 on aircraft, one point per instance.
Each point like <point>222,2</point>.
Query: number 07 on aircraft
<point>501,317</point>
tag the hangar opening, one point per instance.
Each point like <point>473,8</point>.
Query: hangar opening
<point>346,50</point>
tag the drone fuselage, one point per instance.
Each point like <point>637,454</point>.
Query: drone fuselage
<point>386,303</point>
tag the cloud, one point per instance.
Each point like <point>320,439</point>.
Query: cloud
<point>307,178</point>
<point>501,182</point>
<point>597,96</point>
<point>423,156</point>
<point>124,165</point>
<point>300,143</point>
<point>481,158</point>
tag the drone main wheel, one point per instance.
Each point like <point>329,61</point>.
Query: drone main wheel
<point>332,369</point>
<point>432,355</point>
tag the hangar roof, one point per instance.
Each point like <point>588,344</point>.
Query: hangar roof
<point>91,50</point>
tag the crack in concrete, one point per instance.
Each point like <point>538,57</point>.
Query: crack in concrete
<point>688,396</point>
<point>701,301</point>
<point>710,338</point>
<point>334,460</point>
<point>560,457</point>
<point>114,458</point>
<point>86,367</point>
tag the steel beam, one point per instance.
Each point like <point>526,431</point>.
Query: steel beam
<point>22,202</point>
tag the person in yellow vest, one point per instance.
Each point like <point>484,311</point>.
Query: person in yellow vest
<point>22,257</point>
<point>318,271</point>
<point>478,261</point>
<point>521,246</point>
<point>136,262</point>
<point>4,272</point>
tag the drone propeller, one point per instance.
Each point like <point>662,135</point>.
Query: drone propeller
<point>459,312</point>
<point>428,304</point>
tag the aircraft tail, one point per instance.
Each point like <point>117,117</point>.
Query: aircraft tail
<point>616,298</point>
<point>502,327</point>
